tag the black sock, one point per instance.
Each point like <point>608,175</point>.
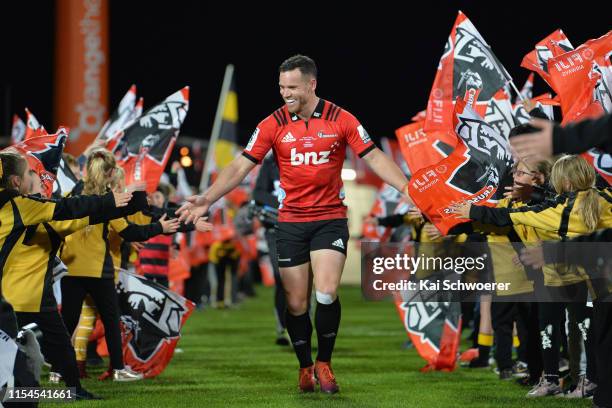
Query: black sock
<point>300,332</point>
<point>484,352</point>
<point>327,322</point>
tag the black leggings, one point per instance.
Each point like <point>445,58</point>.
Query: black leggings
<point>504,314</point>
<point>552,314</point>
<point>602,340</point>
<point>280,300</point>
<point>197,286</point>
<point>104,295</point>
<point>55,344</point>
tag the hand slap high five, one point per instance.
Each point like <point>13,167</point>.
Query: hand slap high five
<point>195,207</point>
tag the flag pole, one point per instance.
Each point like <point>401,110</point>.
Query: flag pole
<point>216,130</point>
<point>517,91</point>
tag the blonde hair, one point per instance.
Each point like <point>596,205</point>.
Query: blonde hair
<point>100,165</point>
<point>118,180</point>
<point>572,173</point>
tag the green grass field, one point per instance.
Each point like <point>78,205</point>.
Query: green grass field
<point>230,360</point>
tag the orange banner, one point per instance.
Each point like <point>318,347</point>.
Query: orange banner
<point>81,69</point>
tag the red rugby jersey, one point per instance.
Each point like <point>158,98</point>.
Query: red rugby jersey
<point>310,157</point>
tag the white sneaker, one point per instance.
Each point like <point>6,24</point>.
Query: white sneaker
<point>584,389</point>
<point>54,378</point>
<point>127,374</point>
<point>544,388</point>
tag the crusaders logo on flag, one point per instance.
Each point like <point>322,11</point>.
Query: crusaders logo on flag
<point>152,318</point>
<point>475,62</point>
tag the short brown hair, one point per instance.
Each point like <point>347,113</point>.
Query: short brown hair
<point>305,64</point>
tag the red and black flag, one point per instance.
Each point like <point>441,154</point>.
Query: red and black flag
<point>468,69</point>
<point>120,117</point>
<point>152,317</point>
<point>434,328</point>
<point>114,142</point>
<point>145,146</point>
<point>553,45</point>
<point>499,113</point>
<point>475,171</point>
<point>44,154</point>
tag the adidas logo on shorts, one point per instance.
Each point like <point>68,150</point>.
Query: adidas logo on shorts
<point>288,138</point>
<point>338,243</point>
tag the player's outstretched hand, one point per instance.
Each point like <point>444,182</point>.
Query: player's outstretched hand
<point>195,207</point>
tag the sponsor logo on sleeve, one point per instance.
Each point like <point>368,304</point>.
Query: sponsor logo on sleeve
<point>363,134</point>
<point>252,140</point>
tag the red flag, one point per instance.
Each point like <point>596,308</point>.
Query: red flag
<point>44,154</point>
<point>475,171</point>
<point>579,79</point>
<point>146,145</point>
<point>467,67</point>
<point>33,127</point>
<point>553,45</point>
<point>422,149</point>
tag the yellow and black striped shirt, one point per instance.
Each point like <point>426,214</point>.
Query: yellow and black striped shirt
<point>32,244</point>
<point>27,284</point>
<point>17,212</point>
<point>553,220</point>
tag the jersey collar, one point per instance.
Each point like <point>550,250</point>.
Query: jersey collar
<point>316,114</point>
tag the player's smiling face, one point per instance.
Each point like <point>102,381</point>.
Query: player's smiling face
<point>296,89</point>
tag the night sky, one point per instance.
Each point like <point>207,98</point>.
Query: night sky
<point>377,62</point>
